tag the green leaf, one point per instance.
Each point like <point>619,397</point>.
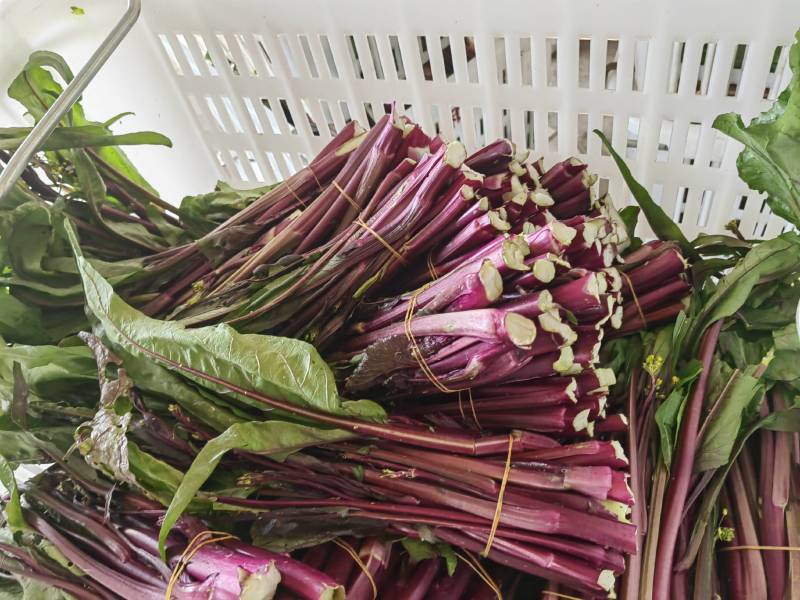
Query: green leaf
<point>12,508</point>
<point>153,476</point>
<point>270,438</point>
<point>419,550</point>
<point>36,89</point>
<point>668,413</point>
<point>204,212</point>
<point>664,227</point>
<point>77,10</point>
<point>738,395</point>
<point>22,447</point>
<point>783,420</point>
<point>21,322</point>
<point>282,368</point>
<point>768,163</point>
<point>766,261</point>
<point>84,136</point>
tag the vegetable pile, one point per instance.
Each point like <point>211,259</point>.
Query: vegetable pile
<point>556,407</point>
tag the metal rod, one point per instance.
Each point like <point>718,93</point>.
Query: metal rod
<point>68,97</point>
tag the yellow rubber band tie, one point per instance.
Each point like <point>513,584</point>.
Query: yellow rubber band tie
<point>296,197</point>
<point>191,549</point>
<point>314,175</point>
<point>415,350</point>
<point>499,508</point>
<point>472,406</point>
<point>481,572</point>
<point>357,559</point>
<point>634,297</point>
<point>360,222</point>
<point>773,548</point>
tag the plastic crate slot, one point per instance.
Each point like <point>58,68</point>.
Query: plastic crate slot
<point>693,133</point>
<point>772,83</point>
<point>345,110</point>
<point>252,71</point>
<point>358,71</point>
<point>237,163</point>
<point>706,202</point>
<point>640,56</point>
<point>232,114</point>
<point>582,141</point>
<point>675,67</point>
<point>375,54</point>
<point>327,51</point>
<point>530,136</point>
<point>251,111</point>
<point>447,58</point>
<point>680,205</point>
<point>471,57</point>
<point>207,58</point>
<point>312,123</point>
<point>254,166</point>
<point>287,158</point>
<point>552,131</point>
<point>718,147</point>
<point>526,60</point>
<point>328,116</point>
<point>303,158</point>
<point>291,63</point>
<point>288,116</point>
<point>706,68</point>
<point>408,110</point>
<point>500,60</point>
<point>607,127</point>
<point>397,57</point>
<point>387,107</point>
<point>458,128</point>
<point>737,69</point>
<point>632,141</point>
<point>273,122</point>
<point>220,160</point>
<point>584,52</point>
<point>226,51</point>
<point>551,53</point>
<point>612,56</point>
<point>480,130</point>
<point>170,52</point>
<point>273,163</point>
<point>265,55</point>
<point>664,140</point>
<point>505,120</point>
<point>437,129</point>
<point>212,108</point>
<point>371,119</point>
<point>424,58</point>
<point>199,113</point>
<point>187,53</point>
<point>305,46</point>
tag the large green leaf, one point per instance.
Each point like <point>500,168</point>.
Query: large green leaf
<point>664,227</point>
<point>771,141</point>
<point>13,507</point>
<point>668,413</point>
<point>204,212</point>
<point>281,368</point>
<point>275,438</point>
<point>65,138</point>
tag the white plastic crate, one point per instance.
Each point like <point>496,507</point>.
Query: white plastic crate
<point>250,89</point>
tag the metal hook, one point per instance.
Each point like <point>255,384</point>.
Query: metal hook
<point>42,130</point>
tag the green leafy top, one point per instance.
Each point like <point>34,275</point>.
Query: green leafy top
<point>769,162</point>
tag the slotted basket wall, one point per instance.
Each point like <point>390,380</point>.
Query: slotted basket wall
<point>250,90</point>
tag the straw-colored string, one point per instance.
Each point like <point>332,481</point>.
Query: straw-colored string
<point>361,223</point>
<point>354,555</point>
<point>314,175</point>
<point>472,407</point>
<point>499,508</point>
<point>415,350</point>
<point>481,572</point>
<point>188,553</point>
<point>431,266</point>
<point>776,548</point>
<point>296,197</point>
<point>461,408</point>
<point>634,297</point>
